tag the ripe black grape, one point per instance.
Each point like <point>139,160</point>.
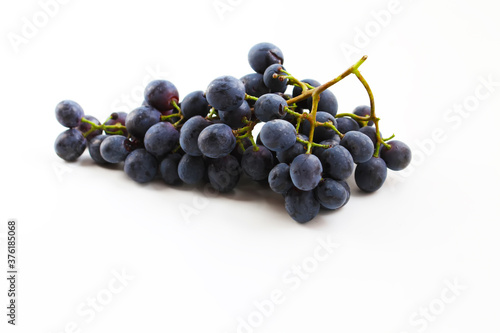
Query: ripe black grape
<point>189,134</point>
<point>359,145</point>
<point>69,113</point>
<point>398,157</point>
<point>160,94</point>
<point>140,120</point>
<point>269,107</point>
<point>70,145</point>
<point>305,172</point>
<point>225,93</point>
<point>94,146</point>
<point>337,163</point>
<point>278,135</point>
<point>113,149</point>
<point>141,166</point>
<point>330,194</point>
<point>347,124</point>
<point>371,175</point>
<point>168,169</point>
<point>224,173</point>
<point>275,84</point>
<point>302,206</point>
<point>257,164</point>
<point>263,55</point>
<point>279,178</point>
<point>191,169</point>
<point>216,141</point>
<point>161,138</point>
<point>195,104</point>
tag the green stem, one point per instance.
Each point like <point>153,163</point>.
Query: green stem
<point>176,106</point>
<point>250,97</point>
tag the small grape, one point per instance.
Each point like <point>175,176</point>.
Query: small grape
<point>168,169</point>
<point>359,145</point>
<point>114,149</point>
<point>371,132</point>
<point>257,164</point>
<point>278,135</point>
<point>141,166</point>
<point>330,194</point>
<point>94,145</point>
<point>234,119</point>
<point>288,155</point>
<point>302,206</point>
<point>279,179</point>
<point>225,93</point>
<point>140,120</point>
<point>321,133</point>
<point>224,173</point>
<point>347,124</point>
<point>191,169</point>
<point>269,107</point>
<point>362,111</point>
<point>216,141</point>
<point>160,94</point>
<point>371,175</point>
<point>189,134</point>
<point>195,104</point>
<point>305,172</point>
<point>398,157</point>
<point>337,163</point>
<point>254,84</point>
<point>70,145</point>
<point>69,113</point>
<point>263,55</point>
<point>161,138</point>
<point>275,84</point>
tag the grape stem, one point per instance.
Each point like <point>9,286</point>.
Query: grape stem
<point>93,126</point>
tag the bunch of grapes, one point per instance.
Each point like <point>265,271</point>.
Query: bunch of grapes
<point>305,151</point>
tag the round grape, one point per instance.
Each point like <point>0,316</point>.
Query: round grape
<point>191,169</point>
<point>330,194</point>
<point>234,119</point>
<point>279,179</point>
<point>337,163</point>
<point>141,166</point>
<point>347,124</point>
<point>140,120</point>
<point>398,157</point>
<point>269,107</point>
<point>305,172</point>
<point>263,55</point>
<point>359,145</point>
<point>195,104</point>
<point>257,164</point>
<point>278,135</point>
<point>161,138</point>
<point>114,149</point>
<point>216,141</point>
<point>371,175</point>
<point>70,145</point>
<point>160,94</point>
<point>362,111</point>
<point>94,145</point>
<point>224,173</point>
<point>169,169</point>
<point>225,93</point>
<point>189,134</point>
<point>69,113</point>
<point>275,84</point>
<point>254,84</point>
<point>302,206</point>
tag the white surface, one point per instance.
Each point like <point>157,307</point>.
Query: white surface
<point>79,223</point>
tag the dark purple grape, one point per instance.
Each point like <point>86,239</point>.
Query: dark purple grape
<point>275,84</point>
<point>70,145</point>
<point>287,156</point>
<point>141,166</point>
<point>278,135</point>
<point>257,164</point>
<point>359,145</point>
<point>321,133</point>
<point>114,149</point>
<point>254,84</point>
<point>190,132</point>
<point>269,107</point>
<point>195,104</point>
<point>398,157</point>
<point>69,113</point>
<point>302,206</point>
<point>330,194</point>
<point>298,91</point>
<point>224,173</point>
<point>94,146</point>
<point>161,138</point>
<point>159,94</point>
<point>216,141</point>
<point>279,179</point>
<point>337,163</point>
<point>263,55</point>
<point>225,93</point>
<point>347,124</point>
<point>305,172</point>
<point>371,175</point>
<point>140,120</point>
<point>371,132</point>
<point>169,169</point>
<point>234,119</point>
<point>191,169</point>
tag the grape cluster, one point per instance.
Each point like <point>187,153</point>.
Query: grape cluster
<point>305,150</point>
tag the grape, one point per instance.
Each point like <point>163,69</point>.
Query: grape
<point>398,157</point>
<point>190,132</point>
<point>224,173</point>
<point>269,107</point>
<point>117,118</point>
<point>337,163</point>
<point>330,194</point>
<point>234,119</point>
<point>195,104</point>
<point>216,141</point>
<point>318,151</point>
<point>257,164</point>
<point>278,135</point>
<point>69,113</point>
<point>327,102</point>
<point>363,110</point>
<point>305,172</point>
<point>302,206</point>
<point>371,175</point>
<point>191,169</point>
<point>70,145</point>
<point>85,127</point>
<point>140,120</point>
<point>141,166</point>
<point>263,55</point>
<point>288,155</point>
<point>159,94</point>
<point>113,149</point>
<point>238,152</point>
<point>347,124</point>
<point>359,145</point>
<point>320,133</point>
<point>371,132</point>
<point>161,138</point>
<point>275,84</point>
<point>254,84</point>
<point>279,178</point>
<point>225,93</point>
<point>168,169</point>
<point>94,145</point>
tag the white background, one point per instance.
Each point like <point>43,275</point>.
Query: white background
<point>203,270</point>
